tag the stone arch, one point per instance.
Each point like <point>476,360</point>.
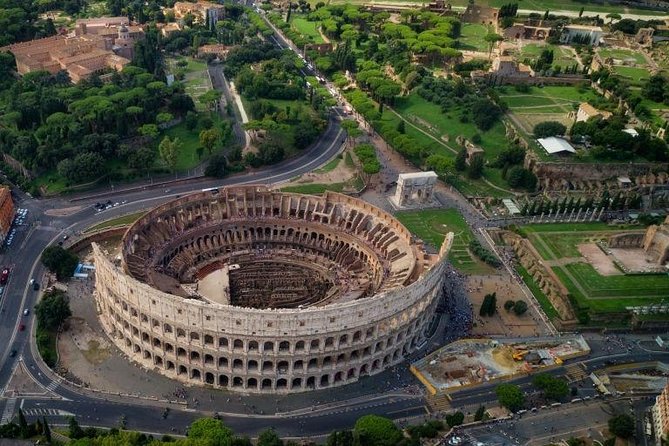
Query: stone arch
<point>181,352</point>
<point>169,365</point>
<point>237,364</point>
<point>223,362</point>
<point>282,367</point>
<point>237,381</point>
<point>267,366</point>
<point>208,339</point>
<point>284,346</point>
<point>313,364</point>
<point>195,374</point>
<point>194,336</point>
<point>329,342</point>
<point>338,377</point>
<point>268,346</point>
<point>325,381</point>
<point>209,378</point>
<point>252,365</point>
<point>223,380</point>
<point>238,344</point>
<point>252,383</point>
<point>208,359</point>
<point>311,382</point>
<point>281,384</point>
<point>296,384</point>
<point>298,365</point>
<point>253,346</point>
<point>223,342</point>
<point>299,346</point>
<point>194,356</point>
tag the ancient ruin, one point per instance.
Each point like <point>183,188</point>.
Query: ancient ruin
<point>262,291</point>
<point>414,189</point>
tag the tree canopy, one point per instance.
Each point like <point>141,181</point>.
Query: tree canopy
<point>373,430</point>
<point>510,396</point>
<point>60,261</point>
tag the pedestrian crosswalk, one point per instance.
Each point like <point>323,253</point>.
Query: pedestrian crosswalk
<point>8,413</point>
<point>39,412</point>
<point>53,386</point>
<point>575,372</point>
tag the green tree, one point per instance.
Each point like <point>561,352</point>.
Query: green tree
<point>269,437</point>
<point>60,261</point>
<point>480,413</point>
<point>374,430</point>
<point>492,39</point>
<point>46,431</point>
<point>508,305</point>
<point>52,310</point>
<point>209,138</point>
<point>212,431</point>
<point>622,426</point>
<point>210,99</point>
<point>340,438</point>
<point>475,169</point>
<point>552,387</point>
<point>169,151</point>
<point>74,430</point>
<point>23,425</point>
<point>510,396</point>
<point>455,419</point>
<point>520,307</point>
<point>461,160</point>
<point>217,166</point>
<point>549,128</point>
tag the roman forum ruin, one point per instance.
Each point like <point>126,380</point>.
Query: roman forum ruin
<point>254,290</point>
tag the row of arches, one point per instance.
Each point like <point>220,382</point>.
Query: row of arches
<point>267,365</point>
<point>222,343</point>
<point>188,372</point>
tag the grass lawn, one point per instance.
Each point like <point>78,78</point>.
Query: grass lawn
<point>307,29</point>
<point>195,77</point>
<point>190,140</point>
<point>119,221</point>
<point>623,54</point>
<point>589,288</point>
<point>432,225</point>
<point>429,116</point>
<point>539,295</point>
<point>471,37</point>
<point>561,56</point>
<point>635,75</point>
<point>314,188</point>
<point>51,181</point>
<point>330,166</point>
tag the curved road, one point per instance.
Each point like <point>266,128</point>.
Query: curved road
<point>42,230</point>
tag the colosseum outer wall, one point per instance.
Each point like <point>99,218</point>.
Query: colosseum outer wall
<point>260,350</point>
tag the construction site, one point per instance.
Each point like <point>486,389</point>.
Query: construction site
<point>469,362</point>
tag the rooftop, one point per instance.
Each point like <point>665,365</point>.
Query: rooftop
<point>412,175</point>
<point>554,145</point>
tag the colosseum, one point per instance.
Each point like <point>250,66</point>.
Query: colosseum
<point>254,290</point>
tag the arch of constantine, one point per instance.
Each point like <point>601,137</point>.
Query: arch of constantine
<point>255,290</point>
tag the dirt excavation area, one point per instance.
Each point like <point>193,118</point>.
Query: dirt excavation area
<point>602,263</point>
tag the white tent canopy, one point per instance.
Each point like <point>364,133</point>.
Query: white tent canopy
<point>554,145</point>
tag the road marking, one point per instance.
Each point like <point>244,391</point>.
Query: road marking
<point>8,413</point>
<point>44,412</point>
<point>53,386</point>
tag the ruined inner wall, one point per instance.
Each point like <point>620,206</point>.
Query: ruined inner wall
<point>556,175</point>
<point>272,350</point>
<point>549,283</point>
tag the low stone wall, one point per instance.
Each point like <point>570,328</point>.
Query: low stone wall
<point>97,237</point>
<point>584,176</point>
<point>545,278</point>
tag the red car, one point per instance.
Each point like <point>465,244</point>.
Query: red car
<point>22,327</point>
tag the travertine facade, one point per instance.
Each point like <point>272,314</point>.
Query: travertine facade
<point>364,299</point>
